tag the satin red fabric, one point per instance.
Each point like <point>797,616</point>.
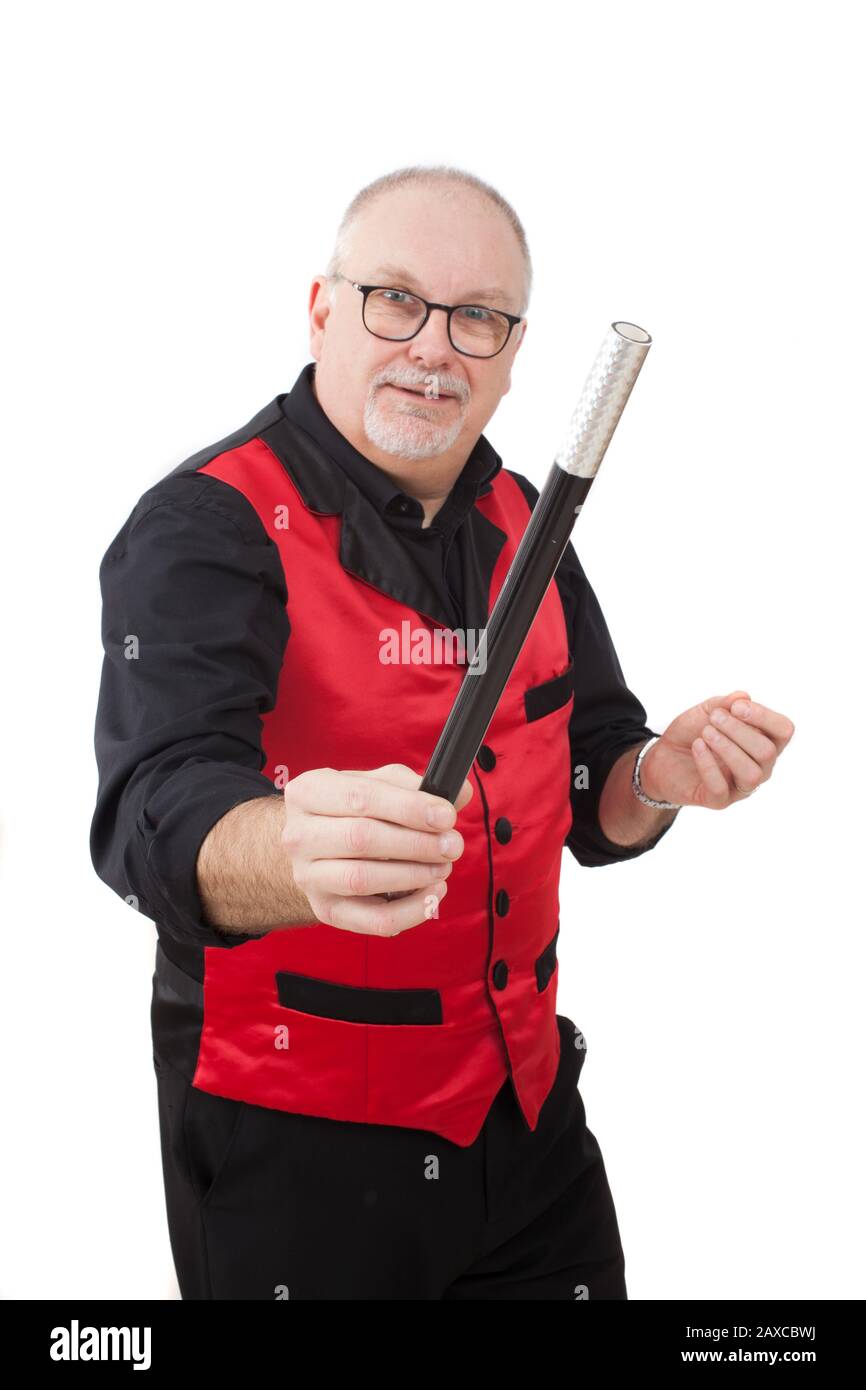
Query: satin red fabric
<point>341,705</point>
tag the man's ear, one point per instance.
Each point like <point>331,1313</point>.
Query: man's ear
<point>318,309</point>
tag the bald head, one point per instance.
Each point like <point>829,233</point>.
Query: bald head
<point>416,407</point>
<point>443,183</point>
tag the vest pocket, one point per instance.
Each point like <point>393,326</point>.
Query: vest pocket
<point>357,1003</point>
<point>543,699</point>
<point>546,963</point>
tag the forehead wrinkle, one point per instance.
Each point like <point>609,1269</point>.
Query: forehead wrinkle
<point>387,273</point>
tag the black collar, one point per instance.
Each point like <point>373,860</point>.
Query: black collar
<point>370,546</point>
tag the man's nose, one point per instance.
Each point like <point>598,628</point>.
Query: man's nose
<point>432,345</point>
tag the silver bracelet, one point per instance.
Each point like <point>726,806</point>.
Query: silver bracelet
<point>636,786</point>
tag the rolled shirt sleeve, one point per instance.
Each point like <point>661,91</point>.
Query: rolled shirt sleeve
<point>194,629</point>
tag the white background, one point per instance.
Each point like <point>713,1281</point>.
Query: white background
<point>174,175</point>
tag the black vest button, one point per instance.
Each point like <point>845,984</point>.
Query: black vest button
<point>502,903</point>
<point>486,758</point>
<point>500,974</point>
<point>502,830</point>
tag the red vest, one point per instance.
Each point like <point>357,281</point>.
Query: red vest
<point>421,1029</point>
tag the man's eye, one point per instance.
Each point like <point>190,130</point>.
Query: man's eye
<point>475,313</point>
<point>398,295</point>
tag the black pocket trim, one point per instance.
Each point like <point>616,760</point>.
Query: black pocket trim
<point>546,963</point>
<point>357,1003</point>
<point>550,695</point>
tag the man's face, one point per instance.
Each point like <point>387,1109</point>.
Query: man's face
<point>454,249</point>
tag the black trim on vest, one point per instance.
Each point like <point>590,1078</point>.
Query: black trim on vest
<point>549,695</point>
<point>357,1003</point>
<point>253,429</point>
<point>491,937</point>
<point>546,964</point>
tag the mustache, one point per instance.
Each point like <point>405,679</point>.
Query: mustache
<point>410,381</point>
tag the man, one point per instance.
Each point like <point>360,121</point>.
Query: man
<point>365,1090</point>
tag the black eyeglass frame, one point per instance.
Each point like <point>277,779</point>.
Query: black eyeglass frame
<point>449,309</point>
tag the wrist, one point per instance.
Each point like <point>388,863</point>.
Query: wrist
<point>642,782</point>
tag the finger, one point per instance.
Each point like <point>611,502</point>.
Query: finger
<point>390,798</point>
<point>724,700</point>
<point>756,744</point>
<point>397,773</point>
<point>746,772</point>
<point>466,792</point>
<point>361,837</point>
<point>714,783</point>
<point>778,726</point>
<point>375,917</point>
<point>400,773</point>
<point>358,878</point>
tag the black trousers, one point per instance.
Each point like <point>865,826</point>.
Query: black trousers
<point>264,1204</point>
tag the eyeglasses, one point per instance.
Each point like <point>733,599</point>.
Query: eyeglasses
<point>397,315</point>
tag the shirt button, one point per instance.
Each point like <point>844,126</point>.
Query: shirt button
<point>502,902</point>
<point>502,830</point>
<point>486,758</point>
<point>500,974</point>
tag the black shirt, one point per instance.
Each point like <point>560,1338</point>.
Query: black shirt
<point>194,629</point>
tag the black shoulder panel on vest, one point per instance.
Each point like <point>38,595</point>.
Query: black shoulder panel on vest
<point>251,430</point>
